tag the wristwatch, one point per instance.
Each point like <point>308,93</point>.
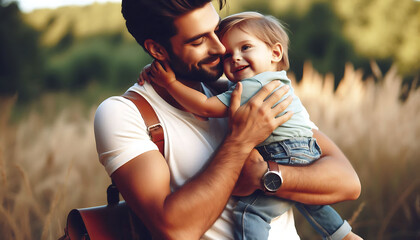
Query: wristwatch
<point>272,179</point>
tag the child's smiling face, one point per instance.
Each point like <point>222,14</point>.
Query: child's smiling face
<point>246,55</point>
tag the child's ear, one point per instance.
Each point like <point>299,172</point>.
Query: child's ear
<point>277,53</point>
<point>156,50</point>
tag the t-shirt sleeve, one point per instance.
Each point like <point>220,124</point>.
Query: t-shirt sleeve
<point>120,133</point>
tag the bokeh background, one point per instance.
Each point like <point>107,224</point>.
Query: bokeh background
<point>355,65</point>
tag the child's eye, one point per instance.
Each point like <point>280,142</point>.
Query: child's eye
<point>246,47</point>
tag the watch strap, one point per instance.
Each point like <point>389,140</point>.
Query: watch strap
<point>273,166</point>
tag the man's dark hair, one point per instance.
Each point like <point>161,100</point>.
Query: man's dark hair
<point>154,19</point>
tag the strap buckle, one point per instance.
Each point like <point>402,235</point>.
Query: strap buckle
<point>152,128</point>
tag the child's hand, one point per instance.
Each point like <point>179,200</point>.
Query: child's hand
<point>144,75</point>
<point>161,74</point>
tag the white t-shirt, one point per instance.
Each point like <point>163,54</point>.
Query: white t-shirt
<point>121,135</point>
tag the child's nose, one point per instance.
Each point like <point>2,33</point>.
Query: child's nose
<point>236,57</point>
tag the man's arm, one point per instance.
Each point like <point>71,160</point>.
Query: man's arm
<point>328,180</point>
<point>188,212</point>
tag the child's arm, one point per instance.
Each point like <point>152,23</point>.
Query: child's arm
<point>219,86</point>
<point>191,99</point>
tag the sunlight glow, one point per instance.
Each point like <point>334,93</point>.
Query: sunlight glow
<point>29,5</point>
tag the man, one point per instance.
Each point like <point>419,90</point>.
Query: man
<point>187,195</point>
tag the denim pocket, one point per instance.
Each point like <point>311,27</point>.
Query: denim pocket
<point>294,151</point>
<point>275,151</point>
<point>303,151</point>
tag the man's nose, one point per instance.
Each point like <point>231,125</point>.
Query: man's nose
<point>216,47</point>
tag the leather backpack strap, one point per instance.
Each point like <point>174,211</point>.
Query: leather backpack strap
<point>150,118</point>
<point>115,220</point>
<point>154,129</point>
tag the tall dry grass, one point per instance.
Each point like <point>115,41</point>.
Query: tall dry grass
<point>380,134</point>
<point>48,165</point>
<point>48,162</point>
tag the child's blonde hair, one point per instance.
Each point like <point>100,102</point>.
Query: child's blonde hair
<point>265,27</point>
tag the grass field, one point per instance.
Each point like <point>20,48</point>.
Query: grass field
<point>48,161</point>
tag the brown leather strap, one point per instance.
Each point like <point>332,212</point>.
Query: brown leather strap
<point>273,166</point>
<point>150,118</point>
<point>154,128</point>
<point>115,220</point>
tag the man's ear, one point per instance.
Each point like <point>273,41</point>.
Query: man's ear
<point>277,53</point>
<point>156,50</point>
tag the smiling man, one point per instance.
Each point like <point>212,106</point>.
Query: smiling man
<point>186,194</point>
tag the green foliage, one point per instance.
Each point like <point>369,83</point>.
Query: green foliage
<point>82,22</point>
<point>317,37</point>
<point>105,59</point>
<point>75,46</point>
<point>384,29</point>
<point>329,33</point>
<point>20,63</point>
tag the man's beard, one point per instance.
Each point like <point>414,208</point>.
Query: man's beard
<point>196,73</point>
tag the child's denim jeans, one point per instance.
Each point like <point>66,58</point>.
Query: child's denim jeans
<point>254,213</point>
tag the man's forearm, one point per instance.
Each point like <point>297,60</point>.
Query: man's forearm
<point>212,188</point>
<point>329,180</point>
<point>312,186</point>
<point>191,210</point>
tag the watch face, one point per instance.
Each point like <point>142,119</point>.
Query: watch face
<point>272,181</point>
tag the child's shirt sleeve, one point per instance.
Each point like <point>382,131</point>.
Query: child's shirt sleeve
<point>250,87</point>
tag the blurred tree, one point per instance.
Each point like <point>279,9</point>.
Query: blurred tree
<point>384,29</point>
<point>20,59</point>
<point>328,33</point>
<point>87,44</point>
<point>358,31</point>
<point>106,59</point>
<point>315,33</point>
<point>317,37</point>
<point>82,21</point>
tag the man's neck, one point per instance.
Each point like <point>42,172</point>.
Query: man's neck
<point>165,95</point>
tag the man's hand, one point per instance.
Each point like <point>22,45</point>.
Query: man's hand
<point>254,121</point>
<point>251,124</point>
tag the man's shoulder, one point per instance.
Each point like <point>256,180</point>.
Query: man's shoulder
<point>115,109</point>
<point>117,104</point>
<point>113,104</point>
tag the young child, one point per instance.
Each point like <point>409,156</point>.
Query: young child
<point>256,53</point>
